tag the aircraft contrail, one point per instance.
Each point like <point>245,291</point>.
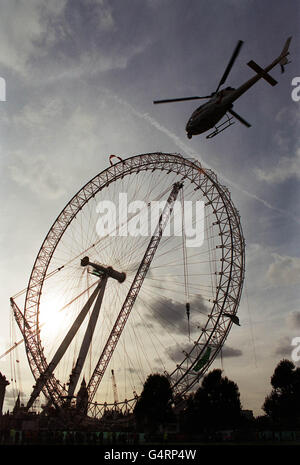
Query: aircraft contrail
<point>186,149</point>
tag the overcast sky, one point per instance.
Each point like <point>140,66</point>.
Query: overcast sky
<point>81,76</point>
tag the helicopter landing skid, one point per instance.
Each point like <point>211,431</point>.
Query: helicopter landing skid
<point>217,129</point>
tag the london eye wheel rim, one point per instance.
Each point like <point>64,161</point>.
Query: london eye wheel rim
<point>230,282</point>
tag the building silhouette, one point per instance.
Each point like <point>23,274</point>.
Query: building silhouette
<point>3,384</point>
<point>82,398</point>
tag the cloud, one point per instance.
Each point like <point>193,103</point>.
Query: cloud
<point>38,116</point>
<point>37,174</point>
<point>51,128</point>
<point>284,270</point>
<point>63,39</point>
<point>171,315</point>
<point>284,347</point>
<point>19,28</point>
<point>23,26</point>
<point>104,16</point>
<point>85,35</point>
<point>230,352</point>
<point>290,114</point>
<point>286,168</point>
<point>293,320</point>
<point>176,354</point>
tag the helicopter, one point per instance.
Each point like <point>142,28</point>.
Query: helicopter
<point>220,103</point>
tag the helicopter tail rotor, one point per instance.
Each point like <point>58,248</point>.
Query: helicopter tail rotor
<point>285,52</point>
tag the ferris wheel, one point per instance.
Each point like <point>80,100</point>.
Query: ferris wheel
<point>141,273</point>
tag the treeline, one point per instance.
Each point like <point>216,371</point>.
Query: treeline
<point>216,404</point>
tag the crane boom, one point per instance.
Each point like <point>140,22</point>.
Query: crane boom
<point>132,294</point>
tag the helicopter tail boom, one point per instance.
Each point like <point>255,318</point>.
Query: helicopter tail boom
<point>262,73</point>
<point>282,60</point>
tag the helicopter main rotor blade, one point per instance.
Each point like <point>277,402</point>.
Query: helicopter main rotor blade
<point>230,64</point>
<point>181,99</point>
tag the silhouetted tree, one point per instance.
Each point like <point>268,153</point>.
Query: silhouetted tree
<point>215,405</point>
<point>282,405</point>
<point>154,405</point>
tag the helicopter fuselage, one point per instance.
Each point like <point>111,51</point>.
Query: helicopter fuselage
<point>207,116</point>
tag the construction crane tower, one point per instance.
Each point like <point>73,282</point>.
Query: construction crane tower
<point>115,391</point>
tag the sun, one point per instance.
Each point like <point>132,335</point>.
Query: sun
<point>54,316</point>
